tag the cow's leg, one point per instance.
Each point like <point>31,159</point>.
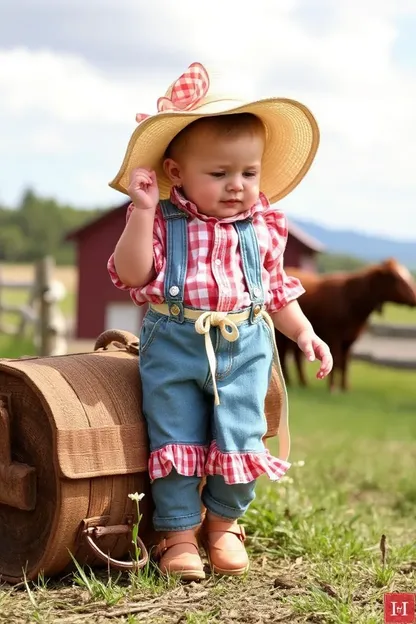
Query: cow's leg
<point>331,380</point>
<point>344,361</point>
<point>336,355</point>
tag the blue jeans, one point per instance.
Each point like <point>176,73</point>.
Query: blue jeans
<point>178,405</point>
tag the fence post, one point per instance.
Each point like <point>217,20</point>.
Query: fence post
<point>1,301</point>
<point>43,279</point>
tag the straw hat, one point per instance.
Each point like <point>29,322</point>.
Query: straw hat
<point>292,134</point>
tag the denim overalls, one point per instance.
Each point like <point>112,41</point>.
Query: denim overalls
<point>188,431</point>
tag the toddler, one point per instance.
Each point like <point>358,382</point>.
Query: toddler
<point>204,248</point>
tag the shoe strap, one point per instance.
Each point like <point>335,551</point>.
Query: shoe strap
<point>167,543</point>
<point>210,526</point>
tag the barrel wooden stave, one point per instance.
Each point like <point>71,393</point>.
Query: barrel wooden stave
<point>24,534</point>
<point>48,395</point>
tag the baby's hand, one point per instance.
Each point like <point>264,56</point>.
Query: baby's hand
<point>143,189</point>
<point>313,347</point>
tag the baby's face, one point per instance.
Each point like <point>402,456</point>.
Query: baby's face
<point>221,175</point>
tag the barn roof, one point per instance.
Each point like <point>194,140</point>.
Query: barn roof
<point>107,215</point>
<point>294,230</point>
<point>309,241</point>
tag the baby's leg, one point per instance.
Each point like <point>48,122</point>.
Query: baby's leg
<point>222,537</point>
<point>237,455</point>
<point>229,501</point>
<point>177,415</point>
<point>178,442</point>
<point>177,514</point>
<point>177,423</point>
<point>177,502</point>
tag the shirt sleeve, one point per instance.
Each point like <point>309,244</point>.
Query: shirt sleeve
<point>158,255</point>
<point>284,288</point>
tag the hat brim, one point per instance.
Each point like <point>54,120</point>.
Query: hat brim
<point>292,139</point>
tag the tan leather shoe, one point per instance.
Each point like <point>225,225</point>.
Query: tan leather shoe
<point>223,541</point>
<point>178,553</point>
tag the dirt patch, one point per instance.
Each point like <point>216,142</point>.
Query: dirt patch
<point>255,599</point>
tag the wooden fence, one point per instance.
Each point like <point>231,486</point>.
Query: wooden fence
<point>393,330</point>
<point>388,344</point>
<point>41,314</point>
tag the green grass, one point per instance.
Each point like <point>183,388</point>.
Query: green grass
<point>21,297</point>
<point>357,484</point>
<point>314,537</point>
<point>395,314</point>
<point>12,347</point>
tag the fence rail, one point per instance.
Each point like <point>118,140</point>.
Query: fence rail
<point>15,285</point>
<point>387,344</point>
<point>392,330</point>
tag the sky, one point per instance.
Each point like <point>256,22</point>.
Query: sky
<point>73,75</point>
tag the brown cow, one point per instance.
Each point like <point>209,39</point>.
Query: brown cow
<point>338,306</point>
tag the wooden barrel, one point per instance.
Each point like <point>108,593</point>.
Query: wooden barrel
<point>73,446</point>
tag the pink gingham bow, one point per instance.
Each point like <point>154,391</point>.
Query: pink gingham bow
<point>186,92</point>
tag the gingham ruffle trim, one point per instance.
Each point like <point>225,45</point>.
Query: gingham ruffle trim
<point>190,460</point>
<point>244,467</point>
<point>187,459</point>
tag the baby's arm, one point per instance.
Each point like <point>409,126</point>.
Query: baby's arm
<point>133,255</point>
<point>284,309</point>
<point>291,321</point>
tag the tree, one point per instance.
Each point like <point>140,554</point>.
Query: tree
<point>12,243</point>
<point>329,263</point>
<point>38,227</point>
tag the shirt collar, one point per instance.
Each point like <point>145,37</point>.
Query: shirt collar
<point>179,200</point>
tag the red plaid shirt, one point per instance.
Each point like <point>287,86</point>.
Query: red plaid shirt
<point>215,278</point>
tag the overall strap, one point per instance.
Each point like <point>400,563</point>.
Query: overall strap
<point>176,258</point>
<point>251,261</point>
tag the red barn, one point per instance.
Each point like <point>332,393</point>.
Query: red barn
<point>101,306</point>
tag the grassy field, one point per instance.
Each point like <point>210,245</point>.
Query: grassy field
<point>395,314</point>
<point>314,538</point>
<point>24,273</point>
<point>10,347</point>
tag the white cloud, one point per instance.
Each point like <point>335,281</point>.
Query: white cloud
<point>62,108</point>
<point>65,87</point>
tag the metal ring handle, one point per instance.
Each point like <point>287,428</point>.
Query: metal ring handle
<point>97,532</point>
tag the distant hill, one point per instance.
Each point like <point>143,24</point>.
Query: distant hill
<point>364,246</point>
